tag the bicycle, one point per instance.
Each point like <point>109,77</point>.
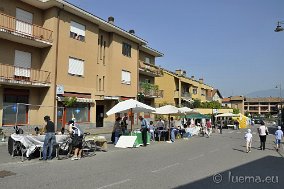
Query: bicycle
<point>89,146</point>
<point>65,149</point>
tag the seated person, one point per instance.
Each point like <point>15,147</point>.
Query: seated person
<point>187,133</point>
<point>77,139</point>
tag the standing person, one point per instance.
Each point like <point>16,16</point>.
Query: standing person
<point>172,129</point>
<point>77,139</point>
<point>152,130</point>
<point>278,137</point>
<point>144,127</point>
<point>160,124</point>
<point>116,129</point>
<point>49,139</point>
<point>124,124</point>
<point>221,126</point>
<point>248,138</point>
<point>208,128</point>
<point>262,131</point>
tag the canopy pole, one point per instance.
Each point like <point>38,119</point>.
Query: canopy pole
<point>131,117</point>
<point>169,127</point>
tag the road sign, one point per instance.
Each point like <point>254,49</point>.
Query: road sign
<point>59,89</point>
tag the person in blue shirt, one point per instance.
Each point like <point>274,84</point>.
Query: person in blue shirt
<point>278,137</point>
<point>144,128</point>
<point>49,139</point>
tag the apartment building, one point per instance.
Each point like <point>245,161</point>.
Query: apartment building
<point>236,102</point>
<point>262,106</point>
<point>180,90</point>
<point>148,91</point>
<point>51,51</point>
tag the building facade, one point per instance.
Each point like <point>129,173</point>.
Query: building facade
<point>262,106</point>
<point>148,91</point>
<point>53,52</point>
<point>180,90</point>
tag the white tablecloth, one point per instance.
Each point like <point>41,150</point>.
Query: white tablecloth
<point>31,142</point>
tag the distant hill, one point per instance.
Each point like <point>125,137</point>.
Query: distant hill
<point>266,93</point>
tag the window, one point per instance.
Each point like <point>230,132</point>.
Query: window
<point>203,92</point>
<point>24,22</point>
<point>76,67</point>
<point>10,100</point>
<point>194,90</point>
<point>80,111</point>
<point>77,31</point>
<point>125,77</point>
<point>147,60</point>
<point>126,49</point>
<point>22,63</point>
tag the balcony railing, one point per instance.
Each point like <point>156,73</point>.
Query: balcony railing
<point>186,94</point>
<point>17,27</point>
<point>24,76</point>
<point>151,69</point>
<point>150,90</point>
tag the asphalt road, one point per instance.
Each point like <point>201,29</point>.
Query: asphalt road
<point>216,162</point>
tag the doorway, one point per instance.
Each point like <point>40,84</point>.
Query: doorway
<point>100,115</point>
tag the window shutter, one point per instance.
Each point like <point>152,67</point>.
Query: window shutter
<point>76,67</point>
<point>77,28</point>
<point>23,61</point>
<point>24,22</point>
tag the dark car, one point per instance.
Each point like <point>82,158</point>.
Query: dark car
<point>259,121</point>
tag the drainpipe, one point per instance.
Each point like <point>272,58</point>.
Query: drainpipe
<point>56,64</point>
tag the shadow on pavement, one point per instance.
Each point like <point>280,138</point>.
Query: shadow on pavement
<point>264,173</point>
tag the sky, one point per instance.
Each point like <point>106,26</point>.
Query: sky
<point>229,43</point>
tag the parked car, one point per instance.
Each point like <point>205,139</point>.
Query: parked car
<point>258,121</point>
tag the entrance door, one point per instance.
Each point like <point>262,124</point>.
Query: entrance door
<point>100,115</point>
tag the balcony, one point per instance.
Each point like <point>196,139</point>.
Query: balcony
<point>150,69</point>
<point>11,75</point>
<point>150,90</point>
<point>184,95</point>
<point>23,32</point>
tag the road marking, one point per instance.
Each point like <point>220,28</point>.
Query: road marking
<point>196,157</point>
<point>239,132</point>
<point>116,183</point>
<point>215,150</point>
<point>230,132</point>
<point>161,169</point>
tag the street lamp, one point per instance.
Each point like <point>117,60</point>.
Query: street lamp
<point>280,112</point>
<point>279,27</point>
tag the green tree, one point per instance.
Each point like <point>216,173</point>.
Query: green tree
<point>196,103</point>
<point>236,111</point>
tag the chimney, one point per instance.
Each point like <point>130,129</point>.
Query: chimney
<point>192,77</point>
<point>111,20</point>
<point>181,73</point>
<point>132,32</point>
<point>201,80</point>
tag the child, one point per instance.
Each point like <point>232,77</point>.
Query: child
<point>278,137</point>
<point>248,138</point>
<point>152,130</point>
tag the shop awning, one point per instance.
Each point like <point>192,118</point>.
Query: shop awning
<point>81,100</point>
<point>198,116</point>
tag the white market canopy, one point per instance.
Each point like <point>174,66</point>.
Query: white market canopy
<point>187,111</point>
<point>227,115</point>
<point>130,105</point>
<point>168,110</point>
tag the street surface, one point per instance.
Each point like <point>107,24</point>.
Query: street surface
<point>216,162</point>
